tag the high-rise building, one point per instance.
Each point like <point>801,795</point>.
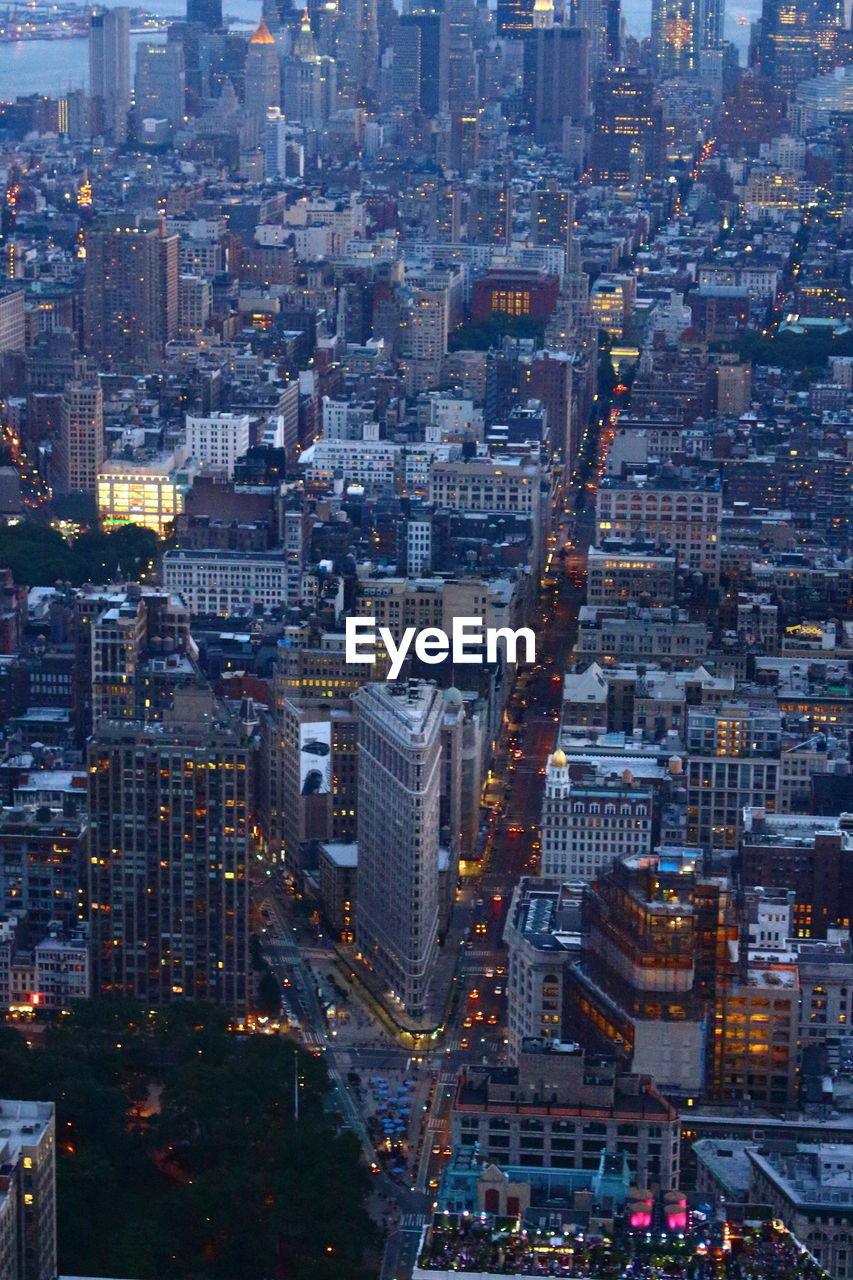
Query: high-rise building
<point>28,1197</point>
<point>515,18</point>
<point>357,49</point>
<point>406,66</point>
<point>263,82</point>
<point>734,762</point>
<point>399,788</point>
<point>425,342</point>
<point>422,37</point>
<point>80,447</point>
<point>553,216</point>
<point>207,13</point>
<point>556,75</point>
<point>309,83</point>
<point>678,35</point>
<point>797,39</point>
<point>12,322</point>
<point>602,20</point>
<point>659,947</point>
<point>160,82</point>
<point>109,69</point>
<point>627,140</point>
<point>170,810</point>
<point>130,304</point>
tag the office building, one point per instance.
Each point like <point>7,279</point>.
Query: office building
<point>756,1029</point>
<point>262,81</point>
<point>399,787</point>
<point>312,776</point>
<point>406,66</point>
<point>515,18</point>
<point>620,572</point>
<point>556,75</point>
<point>207,13</point>
<point>149,491</point>
<point>588,823</point>
<point>678,511</point>
<point>421,61</point>
<point>793,42</point>
<point>602,20</point>
<point>109,69</point>
<point>42,860</point>
<point>160,83</point>
<point>733,762</point>
<point>28,1190</point>
<point>130,302</point>
<point>141,650</point>
<point>678,35</point>
<point>227,582</point>
<point>560,1107</point>
<point>357,49</point>
<point>12,322</point>
<point>627,139</point>
<point>80,446</point>
<point>542,936</point>
<point>657,950</point>
<point>811,855</point>
<point>170,810</point>
<point>195,304</point>
<point>218,440</point>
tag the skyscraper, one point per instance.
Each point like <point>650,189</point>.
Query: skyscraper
<point>678,35</point>
<point>556,76</point>
<point>357,48</point>
<point>627,140</point>
<point>515,17</point>
<point>109,69</point>
<point>130,303</point>
<point>208,13</point>
<point>263,82</point>
<point>80,447</point>
<point>602,20</point>
<point>399,788</point>
<point>796,39</point>
<point>160,82</point>
<point>421,62</point>
<point>169,851</point>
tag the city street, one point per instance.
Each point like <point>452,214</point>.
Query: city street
<point>355,1045</point>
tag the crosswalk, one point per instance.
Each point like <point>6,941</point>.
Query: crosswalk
<point>412,1221</point>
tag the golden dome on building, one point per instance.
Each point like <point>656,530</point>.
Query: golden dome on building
<point>558,759</point>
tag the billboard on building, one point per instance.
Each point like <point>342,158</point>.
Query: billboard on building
<point>315,758</point>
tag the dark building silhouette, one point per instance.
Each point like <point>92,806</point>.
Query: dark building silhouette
<point>421,61</point>
<point>556,77</point>
<point>207,13</point>
<point>130,304</point>
<point>796,40</point>
<point>627,140</point>
<point>515,17</point>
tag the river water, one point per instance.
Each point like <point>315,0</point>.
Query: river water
<point>52,67</point>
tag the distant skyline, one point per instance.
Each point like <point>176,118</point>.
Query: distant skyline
<point>54,67</point>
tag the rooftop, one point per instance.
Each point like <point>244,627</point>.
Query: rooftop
<point>481,1245</point>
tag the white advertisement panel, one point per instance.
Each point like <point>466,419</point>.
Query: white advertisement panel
<point>315,758</point>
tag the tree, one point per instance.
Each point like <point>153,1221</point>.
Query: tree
<point>269,994</point>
